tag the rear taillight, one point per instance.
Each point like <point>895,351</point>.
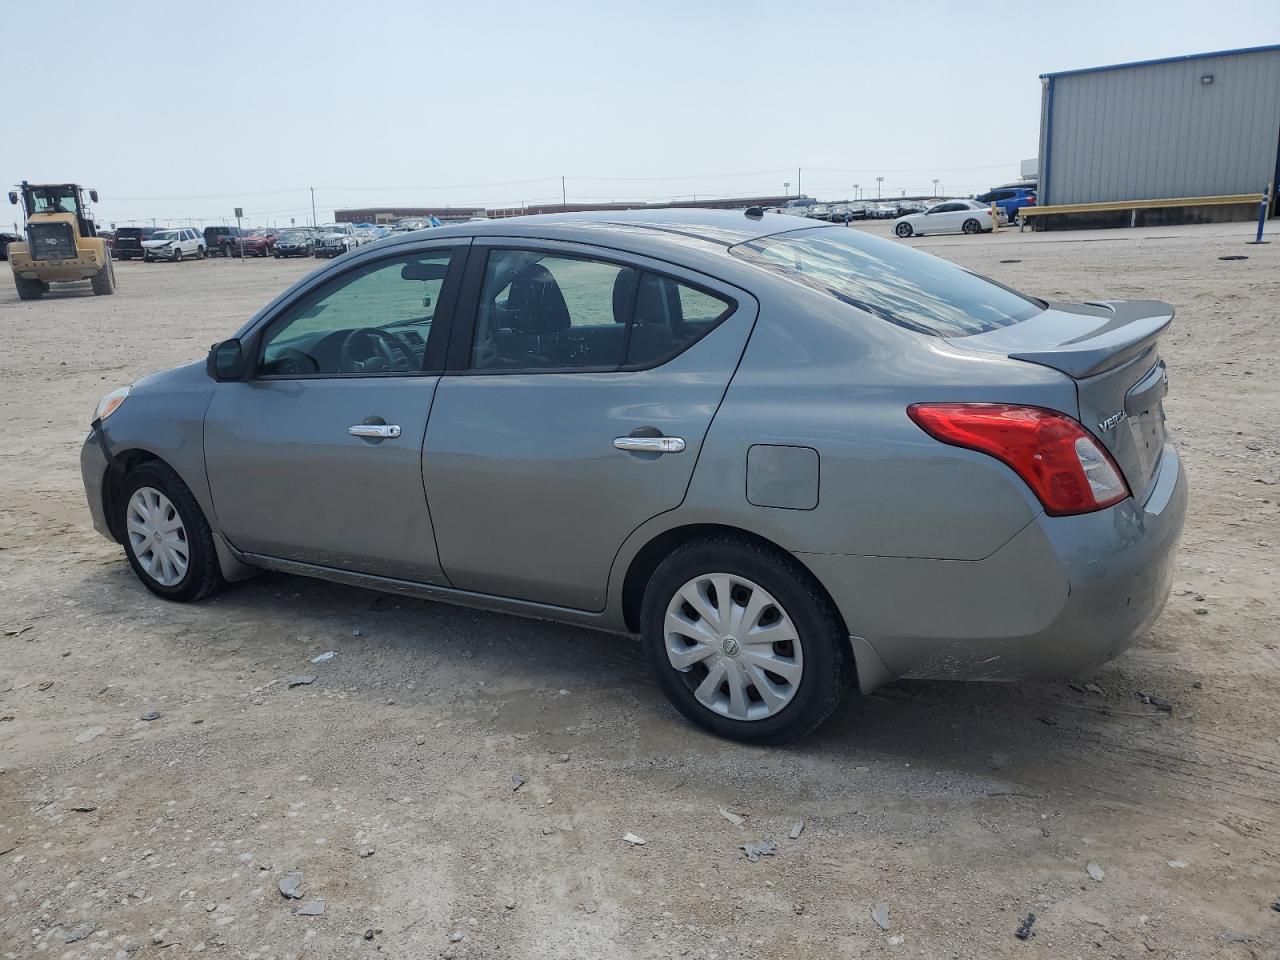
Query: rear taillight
<point>1066,468</point>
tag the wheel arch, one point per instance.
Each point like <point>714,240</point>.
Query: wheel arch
<point>233,568</point>
<point>118,469</point>
<point>645,561</point>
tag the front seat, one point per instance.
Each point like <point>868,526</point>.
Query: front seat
<point>535,316</point>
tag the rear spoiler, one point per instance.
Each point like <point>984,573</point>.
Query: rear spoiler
<point>1134,326</point>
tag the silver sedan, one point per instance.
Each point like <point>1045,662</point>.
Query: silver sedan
<point>792,458</point>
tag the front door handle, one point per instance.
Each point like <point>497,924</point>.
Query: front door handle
<point>650,444</point>
<point>375,431</point>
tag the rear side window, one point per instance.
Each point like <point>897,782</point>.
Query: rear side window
<point>542,311</point>
<point>668,316</point>
<point>890,280</point>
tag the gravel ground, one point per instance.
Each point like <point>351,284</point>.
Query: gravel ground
<point>387,783</point>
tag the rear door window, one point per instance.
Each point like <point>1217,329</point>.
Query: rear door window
<point>890,280</point>
<point>543,311</point>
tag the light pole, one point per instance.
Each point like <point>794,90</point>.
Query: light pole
<point>879,180</point>
<point>857,192</point>
<point>935,186</point>
<point>786,188</point>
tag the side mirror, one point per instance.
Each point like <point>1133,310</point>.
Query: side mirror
<point>13,197</point>
<point>93,195</point>
<point>226,360</point>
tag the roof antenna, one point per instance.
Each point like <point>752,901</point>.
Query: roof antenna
<point>754,212</point>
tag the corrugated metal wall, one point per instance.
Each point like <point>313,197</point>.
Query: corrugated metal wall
<point>1156,131</point>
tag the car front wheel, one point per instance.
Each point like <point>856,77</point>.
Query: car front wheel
<point>166,537</point>
<point>743,641</point>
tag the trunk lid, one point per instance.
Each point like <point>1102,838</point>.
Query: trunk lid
<point>1111,350</point>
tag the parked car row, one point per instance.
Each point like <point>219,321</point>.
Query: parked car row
<point>1009,199</point>
<point>180,243</point>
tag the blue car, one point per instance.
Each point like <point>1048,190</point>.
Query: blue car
<point>1009,199</point>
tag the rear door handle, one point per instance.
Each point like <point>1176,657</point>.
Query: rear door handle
<point>376,431</point>
<point>650,444</point>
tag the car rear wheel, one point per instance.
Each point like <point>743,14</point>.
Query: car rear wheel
<point>972,226</point>
<point>903,229</point>
<point>166,537</point>
<point>199,253</point>
<point>743,641</point>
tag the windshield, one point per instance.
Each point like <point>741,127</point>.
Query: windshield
<point>51,200</point>
<point>165,235</point>
<point>259,233</point>
<point>892,281</point>
<point>293,235</point>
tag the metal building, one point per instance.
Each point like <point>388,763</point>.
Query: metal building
<point>1199,126</point>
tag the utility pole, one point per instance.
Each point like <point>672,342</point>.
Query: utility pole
<point>564,197</point>
<point>797,181</point>
<point>313,206</point>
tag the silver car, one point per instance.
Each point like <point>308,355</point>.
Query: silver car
<point>790,457</point>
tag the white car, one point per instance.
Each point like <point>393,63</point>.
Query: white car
<point>174,245</point>
<point>335,239</point>
<point>950,216</point>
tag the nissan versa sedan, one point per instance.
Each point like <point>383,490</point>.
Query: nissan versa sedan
<point>790,457</point>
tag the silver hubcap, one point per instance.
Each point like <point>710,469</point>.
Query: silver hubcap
<point>735,646</point>
<point>158,537</point>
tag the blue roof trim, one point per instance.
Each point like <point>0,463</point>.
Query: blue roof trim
<point>1150,63</point>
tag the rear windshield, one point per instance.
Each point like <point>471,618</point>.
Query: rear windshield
<point>890,280</point>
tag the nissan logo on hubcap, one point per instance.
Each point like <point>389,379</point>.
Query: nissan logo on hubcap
<point>729,646</point>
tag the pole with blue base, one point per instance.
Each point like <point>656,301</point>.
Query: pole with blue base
<point>1262,217</point>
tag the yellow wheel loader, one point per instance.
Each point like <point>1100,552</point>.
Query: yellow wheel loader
<point>62,244</point>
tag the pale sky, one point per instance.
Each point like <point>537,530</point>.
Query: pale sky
<point>191,109</point>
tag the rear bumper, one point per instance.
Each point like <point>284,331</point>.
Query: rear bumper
<point>1065,594</point>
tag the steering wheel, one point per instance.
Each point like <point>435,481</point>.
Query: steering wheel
<point>386,347</point>
<point>291,361</point>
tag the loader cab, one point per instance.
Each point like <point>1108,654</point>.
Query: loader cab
<point>57,198</point>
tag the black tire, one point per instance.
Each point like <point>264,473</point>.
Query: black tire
<point>29,289</point>
<point>177,254</point>
<point>203,575</point>
<point>199,253</point>
<point>828,658</point>
<point>972,226</point>
<point>903,230</point>
<point>147,258</point>
<point>104,281</point>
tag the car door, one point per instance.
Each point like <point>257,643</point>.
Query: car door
<point>945,218</point>
<point>570,372</point>
<point>316,455</point>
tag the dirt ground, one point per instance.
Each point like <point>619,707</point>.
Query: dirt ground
<point>387,783</point>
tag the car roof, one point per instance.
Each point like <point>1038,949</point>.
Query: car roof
<point>723,228</point>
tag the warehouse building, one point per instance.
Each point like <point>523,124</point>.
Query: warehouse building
<point>1203,129</point>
